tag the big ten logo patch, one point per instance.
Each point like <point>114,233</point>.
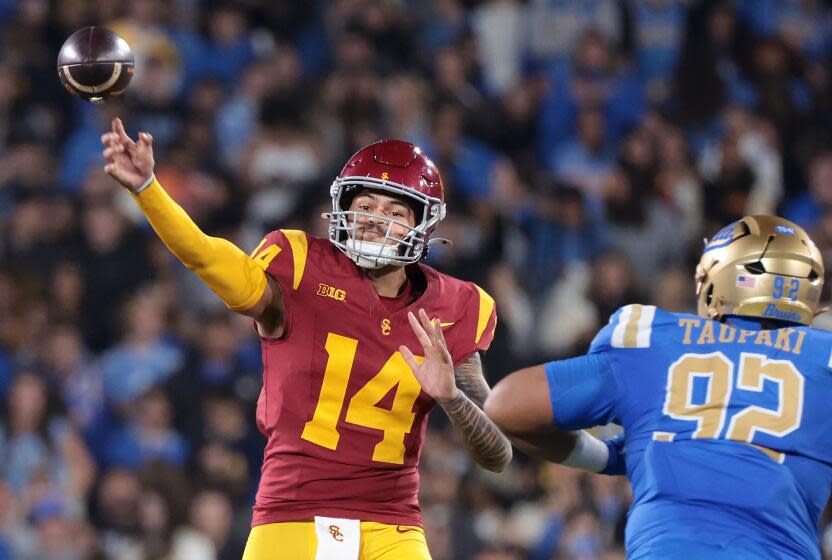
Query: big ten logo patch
<point>336,533</point>
<point>331,292</point>
<point>385,327</point>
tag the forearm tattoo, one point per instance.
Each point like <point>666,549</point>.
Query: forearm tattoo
<point>482,438</point>
<point>471,381</point>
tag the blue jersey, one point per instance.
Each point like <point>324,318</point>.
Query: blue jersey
<point>728,430</point>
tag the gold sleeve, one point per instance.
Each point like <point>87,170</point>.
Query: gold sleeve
<point>234,276</point>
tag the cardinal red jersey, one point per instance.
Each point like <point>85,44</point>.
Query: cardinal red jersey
<point>343,413</point>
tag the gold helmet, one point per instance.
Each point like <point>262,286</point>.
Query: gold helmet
<point>760,266</point>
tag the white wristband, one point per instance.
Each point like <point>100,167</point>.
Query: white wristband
<point>144,185</point>
<point>590,454</point>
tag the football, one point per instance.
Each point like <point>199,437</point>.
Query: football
<point>95,63</point>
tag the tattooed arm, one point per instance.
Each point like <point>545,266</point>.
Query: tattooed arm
<point>471,380</point>
<point>461,393</point>
<point>482,438</point>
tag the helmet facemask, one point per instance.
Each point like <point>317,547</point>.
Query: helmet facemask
<point>397,250</point>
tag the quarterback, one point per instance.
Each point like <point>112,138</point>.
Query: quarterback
<point>344,403</point>
<point>727,433</point>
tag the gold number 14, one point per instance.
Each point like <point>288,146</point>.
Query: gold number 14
<point>362,410</point>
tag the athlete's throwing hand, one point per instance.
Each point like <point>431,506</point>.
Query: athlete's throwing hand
<point>130,163</point>
<point>436,373</point>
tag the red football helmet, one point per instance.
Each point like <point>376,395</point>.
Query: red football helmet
<point>395,168</point>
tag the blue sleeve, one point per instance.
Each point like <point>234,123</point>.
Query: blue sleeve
<point>616,464</point>
<point>583,391</point>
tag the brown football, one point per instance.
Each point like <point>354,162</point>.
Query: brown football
<point>94,63</point>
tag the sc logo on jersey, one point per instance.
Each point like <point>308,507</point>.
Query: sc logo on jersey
<point>334,293</point>
<point>336,533</point>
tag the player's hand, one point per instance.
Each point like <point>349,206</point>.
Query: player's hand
<point>130,163</point>
<point>436,373</point>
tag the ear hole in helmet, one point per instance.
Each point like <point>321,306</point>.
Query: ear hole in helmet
<point>813,275</point>
<point>709,295</point>
<point>755,268</point>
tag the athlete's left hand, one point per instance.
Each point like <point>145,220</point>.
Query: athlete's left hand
<point>436,373</point>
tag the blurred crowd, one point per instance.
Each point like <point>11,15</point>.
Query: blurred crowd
<point>587,149</point>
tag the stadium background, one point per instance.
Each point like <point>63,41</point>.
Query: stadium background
<point>587,148</point>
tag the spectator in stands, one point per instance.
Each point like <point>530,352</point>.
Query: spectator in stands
<point>144,357</point>
<point>807,208</point>
<point>148,435</point>
<point>212,514</point>
<point>586,161</point>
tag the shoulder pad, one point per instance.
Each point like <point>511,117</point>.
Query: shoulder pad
<point>629,327</point>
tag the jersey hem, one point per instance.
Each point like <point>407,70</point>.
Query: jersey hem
<point>308,513</point>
